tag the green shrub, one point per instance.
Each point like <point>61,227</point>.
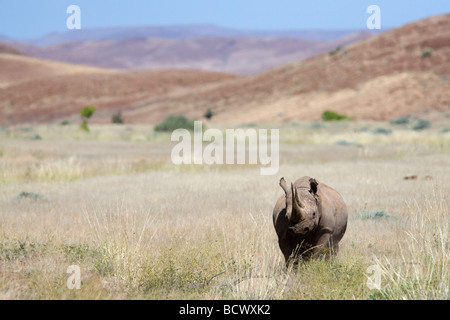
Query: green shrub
<point>421,124</point>
<point>316,125</point>
<point>401,120</point>
<point>36,137</point>
<point>345,143</point>
<point>381,131</point>
<point>333,52</point>
<point>117,118</point>
<point>173,122</point>
<point>426,52</point>
<point>29,195</point>
<point>329,115</point>
<point>86,113</point>
<point>208,114</point>
<point>19,249</point>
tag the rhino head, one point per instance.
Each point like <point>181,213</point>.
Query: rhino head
<point>302,206</point>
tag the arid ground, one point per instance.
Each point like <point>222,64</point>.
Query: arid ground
<point>112,203</point>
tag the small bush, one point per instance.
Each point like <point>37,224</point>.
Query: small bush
<point>316,125</point>
<point>117,118</point>
<point>346,143</point>
<point>381,131</point>
<point>421,124</point>
<point>208,114</point>
<point>333,52</point>
<point>426,52</point>
<point>372,215</point>
<point>29,195</point>
<point>401,120</point>
<point>173,122</point>
<point>329,115</point>
<point>19,249</point>
<point>36,137</point>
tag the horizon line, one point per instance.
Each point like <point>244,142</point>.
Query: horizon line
<point>261,30</point>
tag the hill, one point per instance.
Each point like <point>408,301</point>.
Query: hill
<point>40,91</point>
<point>17,68</point>
<point>405,70</point>
<point>402,71</point>
<point>4,48</point>
<point>242,55</point>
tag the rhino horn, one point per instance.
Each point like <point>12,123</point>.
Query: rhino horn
<point>288,194</point>
<point>296,215</point>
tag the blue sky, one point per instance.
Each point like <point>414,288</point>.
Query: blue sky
<point>33,18</point>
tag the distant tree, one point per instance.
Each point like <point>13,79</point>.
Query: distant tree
<point>208,114</point>
<point>117,118</point>
<point>86,114</point>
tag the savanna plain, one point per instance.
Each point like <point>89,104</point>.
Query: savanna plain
<point>139,227</point>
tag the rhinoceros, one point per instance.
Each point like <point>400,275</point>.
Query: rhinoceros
<point>310,219</point>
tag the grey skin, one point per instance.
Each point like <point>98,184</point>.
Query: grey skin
<point>310,219</point>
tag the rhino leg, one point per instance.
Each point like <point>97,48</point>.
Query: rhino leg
<point>286,249</point>
<point>325,246</point>
<point>298,253</point>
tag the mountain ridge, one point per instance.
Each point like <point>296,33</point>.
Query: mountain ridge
<point>241,55</point>
<point>185,31</point>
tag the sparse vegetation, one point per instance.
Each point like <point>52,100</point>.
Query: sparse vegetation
<point>329,115</point>
<point>173,122</point>
<point>133,239</point>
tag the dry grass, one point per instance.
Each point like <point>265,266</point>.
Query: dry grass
<point>166,232</point>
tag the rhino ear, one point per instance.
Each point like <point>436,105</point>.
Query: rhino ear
<point>284,186</point>
<point>313,183</point>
